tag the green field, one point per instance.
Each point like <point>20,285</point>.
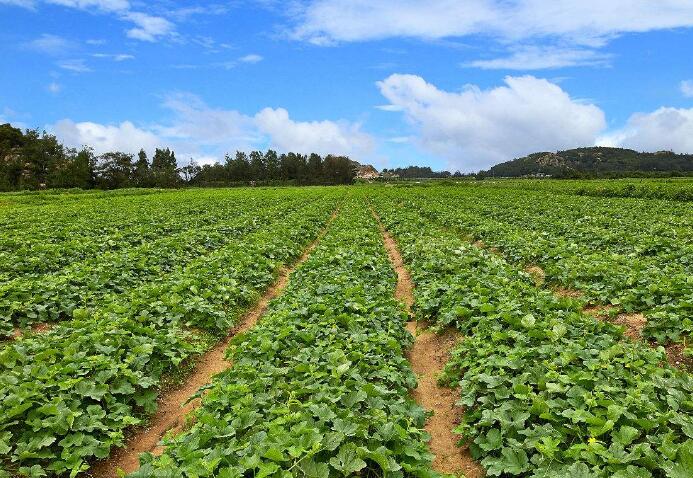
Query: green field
<point>571,303</point>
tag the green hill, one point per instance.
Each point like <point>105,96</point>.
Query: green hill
<point>596,162</point>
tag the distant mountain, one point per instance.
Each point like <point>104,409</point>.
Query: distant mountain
<point>595,162</point>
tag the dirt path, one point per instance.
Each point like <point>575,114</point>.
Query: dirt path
<point>427,357</point>
<point>172,408</point>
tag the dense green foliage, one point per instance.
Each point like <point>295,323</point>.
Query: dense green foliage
<point>134,284</point>
<point>319,387</point>
<point>596,162</point>
<point>68,395</point>
<point>547,391</point>
<point>673,189</point>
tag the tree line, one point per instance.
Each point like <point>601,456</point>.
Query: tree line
<point>34,160</point>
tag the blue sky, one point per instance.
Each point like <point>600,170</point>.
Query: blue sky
<point>451,84</point>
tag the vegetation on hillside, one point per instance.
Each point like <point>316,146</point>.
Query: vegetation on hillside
<point>595,162</point>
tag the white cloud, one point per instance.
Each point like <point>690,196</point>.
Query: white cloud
<point>538,58</point>
<point>585,22</point>
<point>76,65</point>
<point>50,45</point>
<point>476,128</point>
<point>195,122</point>
<point>687,88</point>
<point>663,129</point>
<point>570,27</point>
<point>194,129</point>
<point>124,137</point>
<point>54,88</point>
<point>148,28</point>
<point>252,58</point>
<point>313,136</point>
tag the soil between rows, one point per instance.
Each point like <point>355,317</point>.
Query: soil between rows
<point>173,406</point>
<point>427,357</point>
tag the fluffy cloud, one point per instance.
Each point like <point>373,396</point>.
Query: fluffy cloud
<point>313,136</point>
<point>195,122</point>
<point>687,88</point>
<point>663,129</point>
<point>477,128</point>
<point>195,129</point>
<point>124,137</point>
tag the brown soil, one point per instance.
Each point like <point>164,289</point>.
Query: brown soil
<point>537,273</point>
<point>172,410</point>
<point>634,324</point>
<point>676,358</point>
<point>601,312</point>
<point>38,328</point>
<point>427,357</point>
<point>571,293</point>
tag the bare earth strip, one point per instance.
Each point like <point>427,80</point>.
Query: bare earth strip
<point>172,408</point>
<point>427,357</point>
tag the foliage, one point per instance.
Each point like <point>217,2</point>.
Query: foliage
<point>547,391</point>
<point>319,387</point>
<point>68,395</point>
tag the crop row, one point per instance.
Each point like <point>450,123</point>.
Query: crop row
<point>319,387</point>
<point>67,396</point>
<point>41,239</point>
<point>106,278</point>
<point>547,390</point>
<point>635,254</point>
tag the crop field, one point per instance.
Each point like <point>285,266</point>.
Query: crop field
<point>512,329</point>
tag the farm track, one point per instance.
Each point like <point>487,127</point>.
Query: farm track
<point>427,357</point>
<point>176,404</point>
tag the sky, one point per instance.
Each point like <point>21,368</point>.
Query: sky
<point>453,84</point>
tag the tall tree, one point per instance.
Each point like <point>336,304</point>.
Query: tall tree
<point>142,174</point>
<point>165,169</point>
<point>114,170</point>
<point>11,159</point>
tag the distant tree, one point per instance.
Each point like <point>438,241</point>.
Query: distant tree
<point>11,160</point>
<point>164,170</point>
<point>238,167</point>
<point>338,169</point>
<point>114,170</point>
<point>142,172</point>
<point>258,168</point>
<point>314,168</point>
<point>273,165</point>
<point>42,154</point>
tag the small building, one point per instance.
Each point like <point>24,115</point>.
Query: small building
<point>367,172</point>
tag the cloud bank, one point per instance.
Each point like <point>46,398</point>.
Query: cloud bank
<point>196,130</point>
